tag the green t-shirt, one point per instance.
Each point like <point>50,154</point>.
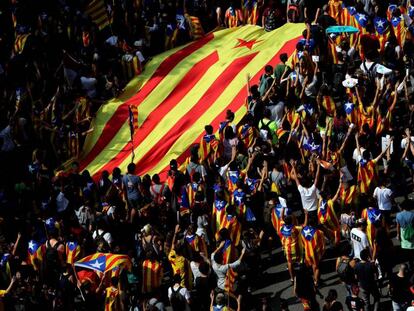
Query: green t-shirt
<point>279,71</point>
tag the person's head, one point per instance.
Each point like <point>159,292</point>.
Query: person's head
<point>156,179</point>
<point>229,115</point>
<point>173,165</point>
<point>283,57</point>
<point>218,257</point>
<point>407,205</point>
<point>220,299</point>
<point>208,129</point>
<point>176,279</point>
<point>204,268</point>
<point>403,269</point>
<point>332,296</point>
<point>114,281</point>
<point>365,254</point>
<point>345,249</point>
<point>131,168</point>
<point>362,223</point>
<point>116,172</point>
<point>355,290</point>
<point>268,69</point>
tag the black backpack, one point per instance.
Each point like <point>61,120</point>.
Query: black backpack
<point>177,300</point>
<point>101,240</point>
<point>265,131</point>
<point>52,255</point>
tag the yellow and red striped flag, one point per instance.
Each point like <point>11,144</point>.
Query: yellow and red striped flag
<point>103,262</point>
<point>72,252</point>
<point>20,42</point>
<point>178,93</point>
<point>196,29</point>
<point>97,11</point>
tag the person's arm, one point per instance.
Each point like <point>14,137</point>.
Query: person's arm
<point>239,298</point>
<point>263,176</point>
<point>12,281</point>
<point>212,300</point>
<point>305,223</point>
<point>394,102</point>
<point>248,84</point>
<point>177,229</point>
<point>338,191</point>
<point>383,152</point>
<point>341,149</point>
<point>318,12</point>
<point>16,244</point>
<point>357,144</point>
<point>318,173</point>
<point>235,264</point>
<point>398,231</point>
<point>293,174</point>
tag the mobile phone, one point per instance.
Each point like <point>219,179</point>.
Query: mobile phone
<point>315,58</point>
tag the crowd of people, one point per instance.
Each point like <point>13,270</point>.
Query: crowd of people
<point>316,164</point>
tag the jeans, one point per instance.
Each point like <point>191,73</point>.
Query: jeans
<point>365,295</point>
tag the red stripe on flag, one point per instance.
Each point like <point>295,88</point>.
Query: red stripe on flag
<point>153,156</point>
<point>121,114</point>
<point>288,48</point>
<point>179,92</point>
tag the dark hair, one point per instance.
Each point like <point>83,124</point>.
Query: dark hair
<point>284,57</point>
<point>332,295</point>
<point>268,69</point>
<point>176,278</point>
<point>365,255</point>
<point>131,168</point>
<point>209,129</point>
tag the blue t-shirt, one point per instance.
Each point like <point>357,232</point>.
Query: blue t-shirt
<point>131,184</point>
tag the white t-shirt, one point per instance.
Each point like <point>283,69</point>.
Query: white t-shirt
<point>368,66</point>
<point>107,236</point>
<point>183,292</point>
<point>309,197</point>
<point>384,198</point>
<point>359,241</point>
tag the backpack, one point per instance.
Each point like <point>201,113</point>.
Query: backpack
<point>408,233</point>
<point>344,270</point>
<point>101,240</point>
<point>270,21</point>
<point>177,300</point>
<point>158,197</point>
<point>370,81</point>
<point>52,255</point>
<point>265,132</point>
<point>293,11</point>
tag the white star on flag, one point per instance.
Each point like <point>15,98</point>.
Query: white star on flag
<point>308,232</point>
<point>97,264</point>
<point>380,23</point>
<point>362,17</point>
<point>349,106</point>
<point>32,245</point>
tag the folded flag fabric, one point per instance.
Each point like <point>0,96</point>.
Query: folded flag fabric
<point>20,43</point>
<point>72,252</point>
<point>103,262</point>
<point>97,11</point>
<point>178,93</point>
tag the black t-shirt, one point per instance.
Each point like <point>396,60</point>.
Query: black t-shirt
<point>336,306</point>
<point>399,289</point>
<point>326,20</point>
<point>365,274</point>
<point>354,303</point>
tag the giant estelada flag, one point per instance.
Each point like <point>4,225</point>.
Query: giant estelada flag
<point>179,92</point>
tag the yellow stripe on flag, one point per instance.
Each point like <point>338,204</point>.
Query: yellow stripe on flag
<point>173,115</point>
